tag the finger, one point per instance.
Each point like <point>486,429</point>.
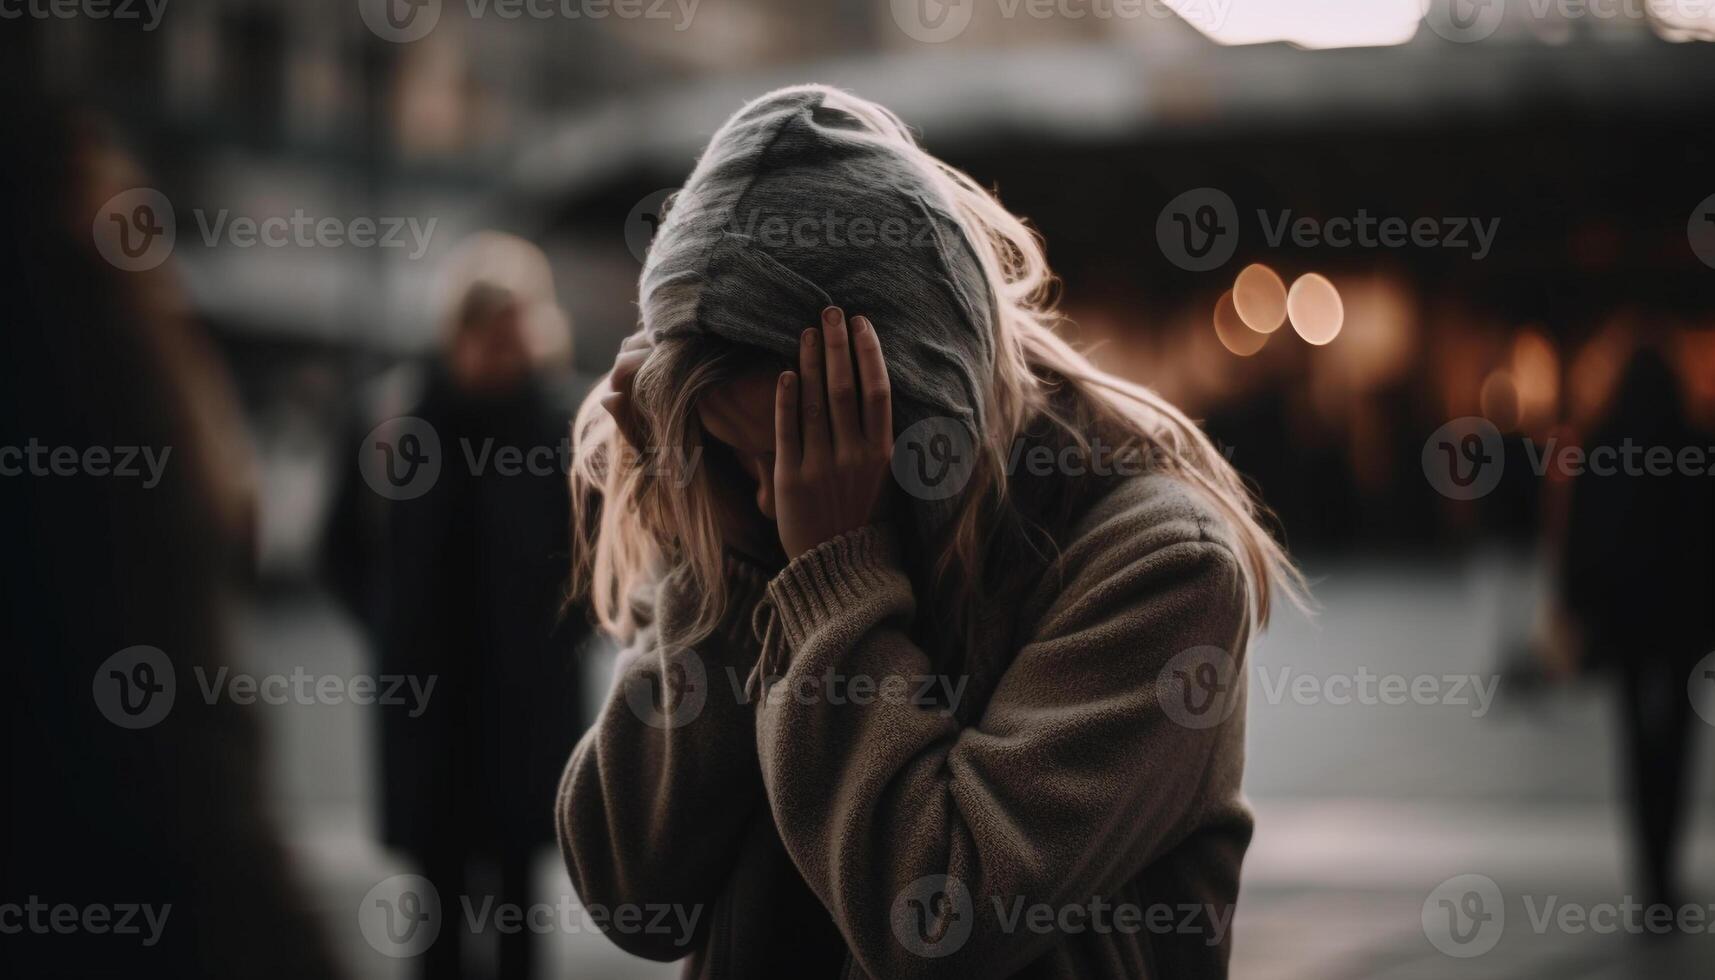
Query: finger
<point>812,400</point>
<point>872,379</point>
<point>634,342</point>
<point>787,449</point>
<point>844,423</point>
<point>625,369</point>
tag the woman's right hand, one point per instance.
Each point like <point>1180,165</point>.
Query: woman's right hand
<point>632,353</point>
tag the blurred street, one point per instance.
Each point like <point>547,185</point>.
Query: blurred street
<point>1348,844</point>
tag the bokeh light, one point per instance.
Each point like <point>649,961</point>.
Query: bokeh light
<point>1233,334</point>
<point>1259,295</point>
<point>1314,306</point>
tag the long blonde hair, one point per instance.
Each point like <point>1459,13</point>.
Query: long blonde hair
<point>640,516</point>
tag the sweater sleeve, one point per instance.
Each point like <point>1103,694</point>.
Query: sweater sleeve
<point>922,835</point>
<point>658,792</point>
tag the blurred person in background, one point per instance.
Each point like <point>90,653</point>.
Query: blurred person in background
<point>462,579</point>
<point>1638,581</point>
<point>1085,625</point>
<point>126,790</point>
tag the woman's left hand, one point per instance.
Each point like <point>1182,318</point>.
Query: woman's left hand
<point>833,434</point>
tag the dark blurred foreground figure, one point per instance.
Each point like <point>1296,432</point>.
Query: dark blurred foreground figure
<point>134,841</point>
<point>1638,578</point>
<point>460,576</point>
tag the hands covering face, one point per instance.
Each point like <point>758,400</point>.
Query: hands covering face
<point>833,430</point>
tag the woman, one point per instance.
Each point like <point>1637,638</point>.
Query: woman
<point>874,726</point>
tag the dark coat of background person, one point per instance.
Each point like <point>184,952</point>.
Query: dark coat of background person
<point>1638,578</point>
<point>97,814</point>
<point>466,583</point>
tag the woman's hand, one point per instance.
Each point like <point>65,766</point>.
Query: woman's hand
<point>632,353</point>
<point>833,433</point>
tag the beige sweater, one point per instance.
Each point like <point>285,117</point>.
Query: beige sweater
<point>1079,815</point>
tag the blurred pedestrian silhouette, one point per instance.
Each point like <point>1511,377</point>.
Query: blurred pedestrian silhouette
<point>149,796</point>
<point>1638,581</point>
<point>464,583</point>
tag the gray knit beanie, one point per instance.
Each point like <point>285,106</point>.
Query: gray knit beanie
<point>798,204</point>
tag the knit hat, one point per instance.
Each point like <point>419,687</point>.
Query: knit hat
<point>800,202</point>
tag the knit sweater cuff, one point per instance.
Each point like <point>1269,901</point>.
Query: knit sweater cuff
<point>817,585</point>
